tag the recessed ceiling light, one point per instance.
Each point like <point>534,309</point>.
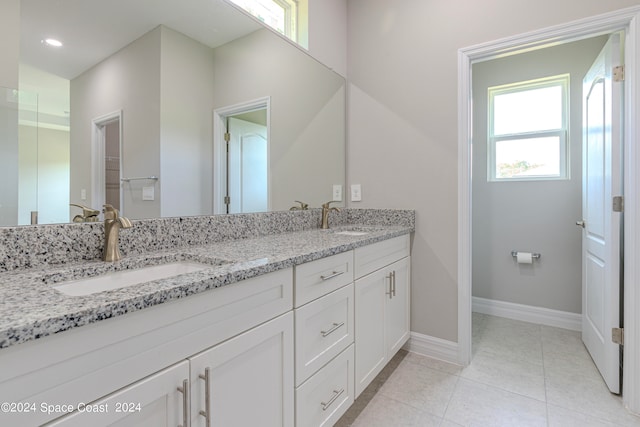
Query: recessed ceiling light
<point>52,42</point>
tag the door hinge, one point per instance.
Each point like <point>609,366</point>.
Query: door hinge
<point>617,335</point>
<point>227,136</point>
<point>618,73</point>
<point>618,204</point>
<point>227,200</point>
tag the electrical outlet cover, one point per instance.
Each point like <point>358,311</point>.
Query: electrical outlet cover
<point>356,193</point>
<point>337,193</point>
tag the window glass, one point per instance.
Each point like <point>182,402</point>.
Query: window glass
<point>528,157</point>
<point>527,137</point>
<point>278,14</point>
<point>528,110</point>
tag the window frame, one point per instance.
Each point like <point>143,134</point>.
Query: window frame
<point>562,80</point>
<point>290,9</point>
<point>290,16</point>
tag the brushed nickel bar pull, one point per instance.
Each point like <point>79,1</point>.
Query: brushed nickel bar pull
<point>336,394</point>
<point>185,403</point>
<point>393,289</point>
<point>390,293</point>
<point>207,396</point>
<point>332,275</point>
<point>333,329</point>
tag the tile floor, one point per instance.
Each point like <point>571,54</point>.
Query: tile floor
<point>522,374</point>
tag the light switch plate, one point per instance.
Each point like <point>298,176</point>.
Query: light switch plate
<point>337,193</point>
<point>83,194</point>
<point>148,193</point>
<point>356,193</point>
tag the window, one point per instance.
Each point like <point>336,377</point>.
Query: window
<point>278,14</point>
<point>527,131</point>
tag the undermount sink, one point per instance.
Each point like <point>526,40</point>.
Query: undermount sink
<point>124,278</point>
<point>361,230</point>
<point>352,233</point>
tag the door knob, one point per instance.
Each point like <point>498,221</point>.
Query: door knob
<point>581,223</point>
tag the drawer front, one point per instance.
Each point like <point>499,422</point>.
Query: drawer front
<point>317,278</point>
<point>368,259</point>
<point>323,329</point>
<point>327,395</point>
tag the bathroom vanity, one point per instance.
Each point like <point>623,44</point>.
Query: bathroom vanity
<point>278,330</point>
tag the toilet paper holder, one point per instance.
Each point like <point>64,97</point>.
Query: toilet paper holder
<point>533,255</point>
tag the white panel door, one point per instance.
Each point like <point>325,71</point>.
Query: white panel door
<point>601,235</point>
<point>248,167</point>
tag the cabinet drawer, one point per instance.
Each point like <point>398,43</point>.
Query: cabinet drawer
<point>317,278</point>
<point>327,395</point>
<point>368,259</point>
<point>324,328</point>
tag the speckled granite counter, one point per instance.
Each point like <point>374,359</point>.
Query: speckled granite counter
<point>31,308</point>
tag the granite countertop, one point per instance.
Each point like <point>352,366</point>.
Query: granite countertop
<point>31,308</point>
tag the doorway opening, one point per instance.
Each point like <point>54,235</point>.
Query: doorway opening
<point>241,156</point>
<point>624,20</point>
<point>107,161</point>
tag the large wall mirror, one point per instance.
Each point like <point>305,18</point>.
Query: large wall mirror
<point>134,107</point>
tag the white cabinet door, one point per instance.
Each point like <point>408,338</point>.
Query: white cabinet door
<point>382,319</point>
<point>250,379</point>
<point>370,301</point>
<point>397,309</point>
<point>151,402</point>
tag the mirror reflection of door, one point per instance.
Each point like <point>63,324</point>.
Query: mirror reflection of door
<point>107,162</point>
<point>247,162</point>
<point>112,163</point>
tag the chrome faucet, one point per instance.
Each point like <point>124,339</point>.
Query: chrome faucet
<point>112,225</point>
<point>325,214</point>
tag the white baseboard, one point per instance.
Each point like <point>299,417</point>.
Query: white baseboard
<point>528,313</point>
<point>437,348</point>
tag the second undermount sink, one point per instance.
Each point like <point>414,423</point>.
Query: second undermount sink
<point>124,278</point>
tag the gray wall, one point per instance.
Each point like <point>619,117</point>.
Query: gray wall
<point>306,150</point>
<point>9,43</point>
<point>328,33</point>
<point>163,84</point>
<point>535,215</point>
<point>129,80</point>
<point>403,120</point>
<point>10,50</point>
<point>186,121</point>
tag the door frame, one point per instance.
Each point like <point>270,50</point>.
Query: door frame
<point>629,21</point>
<point>219,149</point>
<point>98,191</point>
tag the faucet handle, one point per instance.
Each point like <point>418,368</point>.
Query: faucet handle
<point>326,205</point>
<point>303,206</point>
<point>109,212</point>
<point>86,211</point>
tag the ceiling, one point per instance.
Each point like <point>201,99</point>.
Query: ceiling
<point>93,30</point>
